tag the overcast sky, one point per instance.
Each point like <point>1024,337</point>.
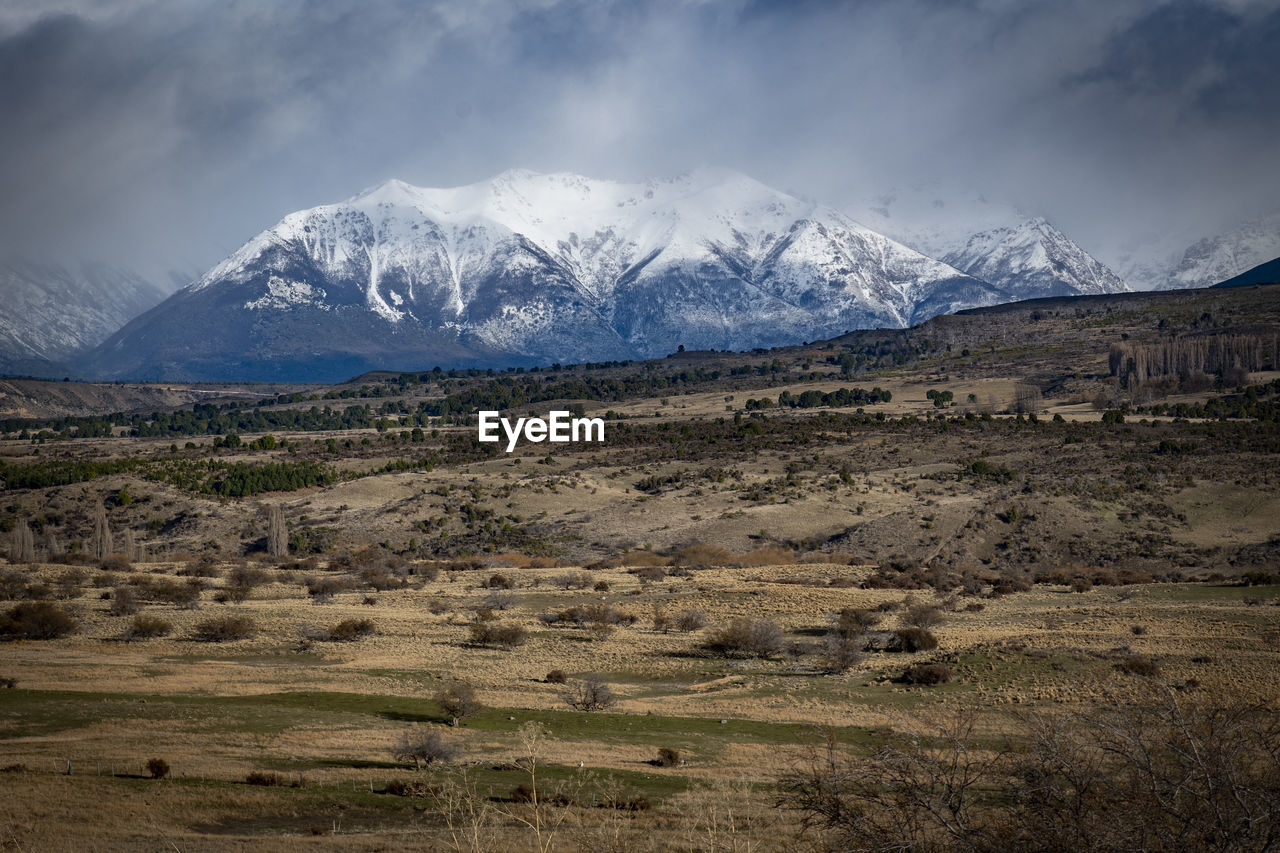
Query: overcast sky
<point>157,133</point>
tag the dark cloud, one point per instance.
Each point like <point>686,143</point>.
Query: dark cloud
<point>160,133</point>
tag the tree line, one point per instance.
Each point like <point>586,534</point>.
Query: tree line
<point>1216,355</point>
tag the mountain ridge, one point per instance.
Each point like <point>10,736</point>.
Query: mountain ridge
<point>529,268</point>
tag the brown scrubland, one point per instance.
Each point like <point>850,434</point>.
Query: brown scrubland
<point>1007,580</point>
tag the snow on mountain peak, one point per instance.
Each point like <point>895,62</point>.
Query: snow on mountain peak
<point>1034,259</point>
<point>1213,259</point>
<point>557,267</point>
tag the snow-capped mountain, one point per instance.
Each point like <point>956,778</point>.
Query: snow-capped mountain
<point>531,268</point>
<point>52,311</point>
<point>1213,259</point>
<point>1034,260</point>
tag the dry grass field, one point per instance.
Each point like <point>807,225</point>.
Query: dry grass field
<point>651,644</point>
<point>326,714</point>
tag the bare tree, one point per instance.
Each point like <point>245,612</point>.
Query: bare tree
<point>102,544</point>
<point>424,745</point>
<point>590,694</point>
<point>542,822</point>
<point>277,535</point>
<point>53,547</point>
<point>23,549</point>
<point>1026,398</point>
<point>129,545</point>
<point>468,813</point>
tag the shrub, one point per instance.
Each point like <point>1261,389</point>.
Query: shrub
<point>841,651</point>
<point>222,629</point>
<point>411,788</point>
<point>322,590</point>
<point>575,580</point>
<point>115,563</point>
<point>349,630</point>
<point>632,804</point>
<point>158,768</point>
<point>123,601</point>
<point>690,620</point>
<point>914,640</point>
<point>458,701</point>
<point>927,674</point>
<point>641,559</point>
<point>746,637</point>
<point>649,573</point>
<point>264,779</point>
<point>923,616</point>
<point>144,627</point>
<point>583,615</point>
<point>185,595</point>
<point>382,578</point>
<point>507,634</point>
<point>590,694</point>
<point>668,757</point>
<point>1166,773</point>
<point>13,585</point>
<point>855,621</point>
<point>499,600</point>
<point>600,631</point>
<point>556,676</point>
<point>601,586</point>
<point>702,557</point>
<point>1138,665</point>
<point>768,556</point>
<point>424,746</point>
<point>499,581</point>
<point>36,620</point>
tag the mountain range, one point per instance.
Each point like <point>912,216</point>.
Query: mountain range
<point>530,268</point>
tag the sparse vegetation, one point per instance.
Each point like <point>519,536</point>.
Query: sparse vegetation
<point>225,629</point>
<point>424,746</point>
